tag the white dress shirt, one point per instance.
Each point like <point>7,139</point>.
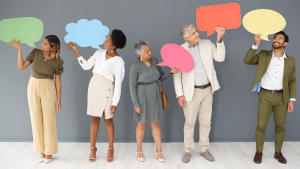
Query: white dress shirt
<point>113,69</point>
<point>273,78</point>
<point>200,73</point>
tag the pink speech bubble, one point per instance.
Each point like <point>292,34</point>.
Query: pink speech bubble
<point>227,16</point>
<point>175,55</point>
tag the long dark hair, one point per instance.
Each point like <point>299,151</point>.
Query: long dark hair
<point>54,42</point>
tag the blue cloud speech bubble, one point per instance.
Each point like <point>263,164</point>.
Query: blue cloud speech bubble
<point>87,33</point>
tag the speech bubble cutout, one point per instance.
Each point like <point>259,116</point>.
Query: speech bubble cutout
<point>175,55</point>
<point>26,29</point>
<point>87,33</point>
<point>264,22</point>
<point>227,16</point>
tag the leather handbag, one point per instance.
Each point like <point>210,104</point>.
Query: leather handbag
<point>163,93</point>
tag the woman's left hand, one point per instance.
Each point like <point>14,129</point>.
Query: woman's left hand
<point>175,70</point>
<point>113,109</point>
<point>58,107</point>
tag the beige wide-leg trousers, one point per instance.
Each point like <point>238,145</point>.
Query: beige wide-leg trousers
<point>42,102</point>
<point>201,106</point>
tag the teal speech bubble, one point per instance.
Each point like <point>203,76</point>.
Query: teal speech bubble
<point>27,29</point>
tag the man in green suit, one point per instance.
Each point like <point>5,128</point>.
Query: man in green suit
<point>275,80</point>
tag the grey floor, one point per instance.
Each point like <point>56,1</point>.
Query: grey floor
<point>228,155</point>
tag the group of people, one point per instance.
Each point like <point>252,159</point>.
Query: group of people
<point>275,80</point>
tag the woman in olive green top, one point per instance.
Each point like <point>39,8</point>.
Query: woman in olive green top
<point>42,93</point>
<point>146,98</point>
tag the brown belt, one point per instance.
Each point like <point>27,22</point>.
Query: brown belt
<point>273,91</point>
<point>204,86</point>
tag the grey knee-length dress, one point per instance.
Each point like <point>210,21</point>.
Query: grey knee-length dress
<point>145,91</point>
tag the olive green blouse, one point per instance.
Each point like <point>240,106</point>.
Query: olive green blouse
<point>43,68</point>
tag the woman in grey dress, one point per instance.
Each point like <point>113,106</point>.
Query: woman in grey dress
<point>146,97</point>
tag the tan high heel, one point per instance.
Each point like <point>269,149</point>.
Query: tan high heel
<point>112,159</point>
<point>158,158</point>
<point>141,159</point>
<point>93,159</point>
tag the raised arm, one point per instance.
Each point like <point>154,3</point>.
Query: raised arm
<point>251,58</point>
<point>163,75</point>
<point>21,63</point>
<point>86,65</point>
<point>219,51</point>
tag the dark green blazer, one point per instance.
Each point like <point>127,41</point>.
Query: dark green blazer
<point>262,60</point>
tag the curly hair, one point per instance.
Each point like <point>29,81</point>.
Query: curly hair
<point>118,38</point>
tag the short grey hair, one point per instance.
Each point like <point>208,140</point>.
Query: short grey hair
<point>138,47</point>
<point>184,31</point>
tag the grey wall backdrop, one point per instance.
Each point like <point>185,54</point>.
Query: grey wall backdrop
<point>155,21</point>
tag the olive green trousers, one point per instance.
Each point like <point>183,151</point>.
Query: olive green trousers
<point>268,103</point>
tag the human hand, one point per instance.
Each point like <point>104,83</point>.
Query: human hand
<point>15,44</point>
<point>58,106</point>
<point>181,101</point>
<point>257,39</point>
<point>221,33</point>
<point>175,70</point>
<point>71,45</point>
<point>291,106</point>
<point>138,110</point>
<point>113,109</point>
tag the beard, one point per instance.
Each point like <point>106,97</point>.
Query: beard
<point>278,47</point>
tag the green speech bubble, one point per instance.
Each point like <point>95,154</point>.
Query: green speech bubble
<point>27,29</point>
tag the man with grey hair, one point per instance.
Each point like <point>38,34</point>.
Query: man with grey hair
<point>194,89</point>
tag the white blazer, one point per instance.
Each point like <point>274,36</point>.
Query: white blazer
<point>184,82</point>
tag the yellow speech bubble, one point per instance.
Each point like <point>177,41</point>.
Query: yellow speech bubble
<point>264,22</point>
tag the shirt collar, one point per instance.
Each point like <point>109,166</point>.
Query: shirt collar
<point>189,45</point>
<point>284,55</point>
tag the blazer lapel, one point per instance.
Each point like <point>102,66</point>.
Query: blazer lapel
<point>269,59</point>
<point>286,63</point>
<point>185,46</point>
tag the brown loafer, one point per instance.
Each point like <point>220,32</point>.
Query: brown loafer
<point>258,157</point>
<point>280,158</point>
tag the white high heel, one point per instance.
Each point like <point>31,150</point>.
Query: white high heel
<point>47,160</point>
<point>41,160</point>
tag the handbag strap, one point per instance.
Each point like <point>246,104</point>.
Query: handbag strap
<point>162,86</point>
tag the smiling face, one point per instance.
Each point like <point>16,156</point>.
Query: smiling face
<point>147,53</point>
<point>278,42</point>
<point>193,37</point>
<point>107,44</point>
<point>46,47</point>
